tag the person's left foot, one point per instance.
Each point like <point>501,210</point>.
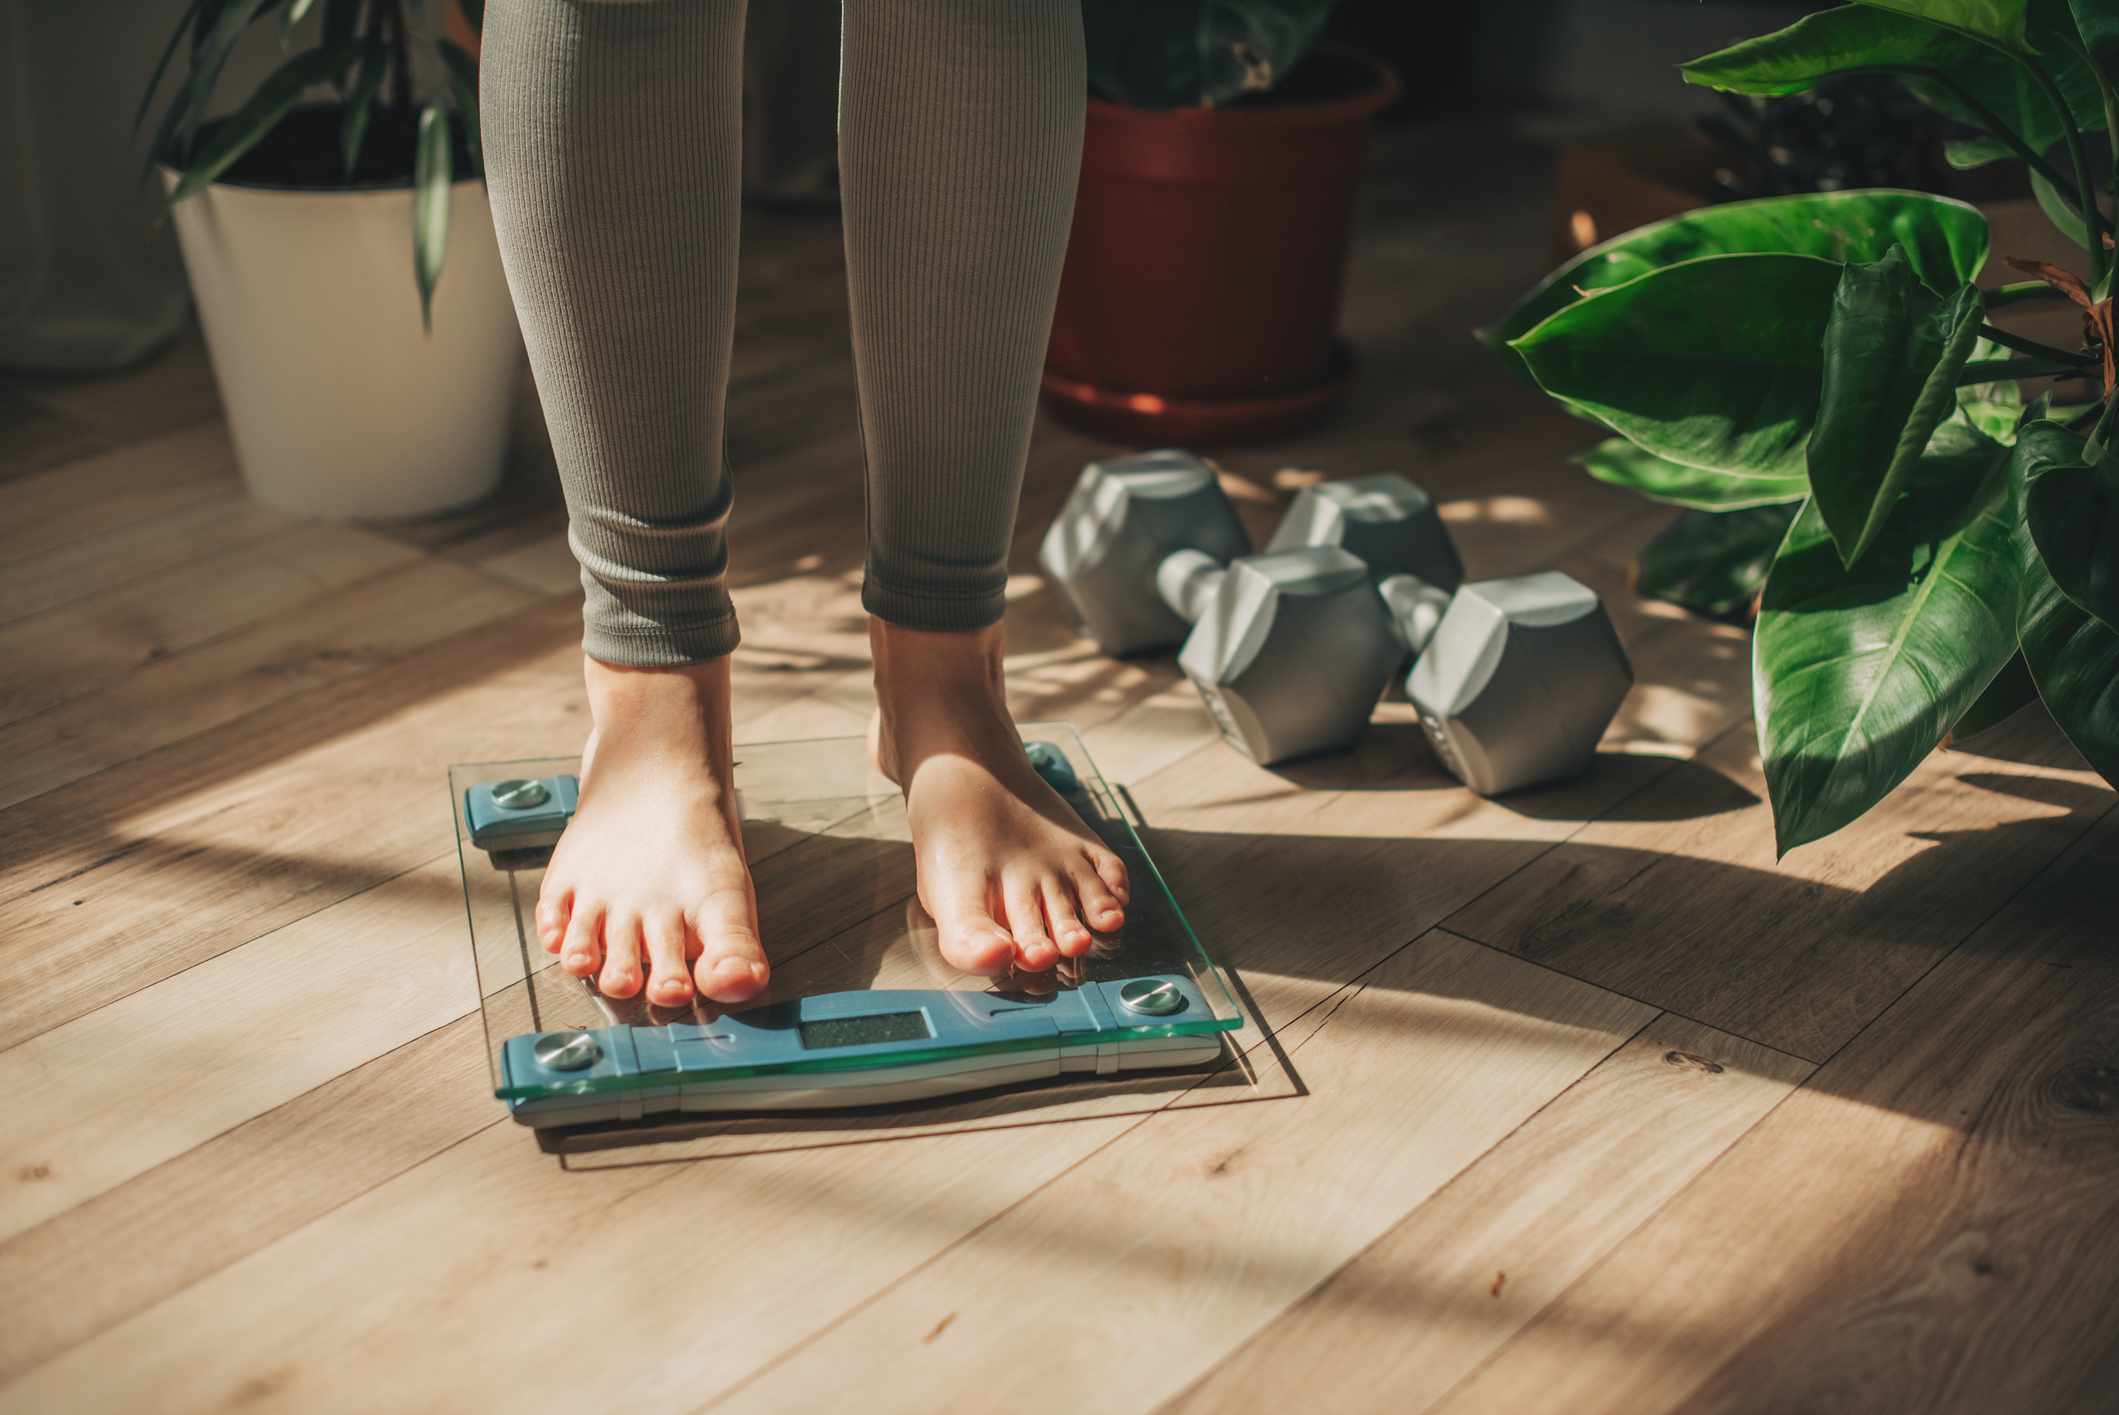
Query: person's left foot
<point>1011,874</point>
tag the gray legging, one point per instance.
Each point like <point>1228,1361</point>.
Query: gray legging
<point>613,149</point>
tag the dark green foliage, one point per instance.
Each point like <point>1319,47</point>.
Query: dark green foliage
<point>1956,554</point>
<point>360,53</point>
<point>1196,53</point>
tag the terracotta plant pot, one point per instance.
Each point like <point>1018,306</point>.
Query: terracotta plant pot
<point>1201,289</point>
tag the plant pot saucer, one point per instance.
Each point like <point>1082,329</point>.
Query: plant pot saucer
<point>1151,419</point>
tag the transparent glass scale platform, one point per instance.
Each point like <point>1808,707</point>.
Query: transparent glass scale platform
<point>862,1011</point>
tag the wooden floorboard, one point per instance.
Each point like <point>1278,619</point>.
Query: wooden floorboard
<point>1574,1098</point>
<point>1929,1224</point>
<point>1677,898</point>
<point>1428,1301</point>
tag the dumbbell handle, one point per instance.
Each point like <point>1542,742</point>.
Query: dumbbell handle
<point>1187,581</point>
<point>1416,608</point>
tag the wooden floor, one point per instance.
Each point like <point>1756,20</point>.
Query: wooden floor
<point>1576,1100</point>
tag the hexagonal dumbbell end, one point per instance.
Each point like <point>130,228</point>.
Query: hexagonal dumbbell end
<point>1291,652</point>
<point>1125,516</point>
<point>1388,522</point>
<point>1519,681</point>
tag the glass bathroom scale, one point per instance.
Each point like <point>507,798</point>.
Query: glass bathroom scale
<point>862,1011</point>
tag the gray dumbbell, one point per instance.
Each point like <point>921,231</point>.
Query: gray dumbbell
<point>1515,680</point>
<point>1125,517</point>
<point>1290,649</point>
<point>1388,522</point>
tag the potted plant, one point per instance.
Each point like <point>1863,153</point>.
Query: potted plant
<point>1933,550</point>
<point>357,381</point>
<point>1220,166</point>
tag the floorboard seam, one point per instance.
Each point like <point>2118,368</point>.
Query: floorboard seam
<point>119,584</point>
<point>1633,997</point>
<point>1337,998</point>
<point>176,1292</point>
<point>1797,1089</point>
<point>1619,1244</point>
<point>22,1039</point>
<point>323,592</point>
<point>1397,1223</point>
<point>337,688</point>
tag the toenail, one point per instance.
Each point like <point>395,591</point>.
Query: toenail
<point>735,970</point>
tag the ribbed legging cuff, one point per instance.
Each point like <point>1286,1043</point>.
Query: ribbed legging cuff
<point>660,645</point>
<point>935,613</point>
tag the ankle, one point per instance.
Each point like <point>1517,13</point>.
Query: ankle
<point>685,704</point>
<point>913,666</point>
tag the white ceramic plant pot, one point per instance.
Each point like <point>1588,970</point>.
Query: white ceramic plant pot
<point>339,403</point>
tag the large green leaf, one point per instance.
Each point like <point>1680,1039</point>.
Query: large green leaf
<point>1858,674</point>
<point>1941,66</point>
<point>2011,691</point>
<point>1994,409</point>
<point>1710,363</point>
<point>2066,220</point>
<point>236,134</point>
<point>1999,22</point>
<point>1893,350</point>
<point>431,180</point>
<point>1620,463</point>
<point>1849,39</point>
<point>1713,563</point>
<point>1946,240</point>
<point>2097,21</point>
<point>2074,658</point>
<point>2073,516</point>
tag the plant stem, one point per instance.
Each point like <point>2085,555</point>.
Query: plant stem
<point>401,60</point>
<point>2098,443</point>
<point>1990,370</point>
<point>1992,122</point>
<point>2092,211</point>
<point>2110,98</point>
<point>2030,346</point>
<point>2018,291</point>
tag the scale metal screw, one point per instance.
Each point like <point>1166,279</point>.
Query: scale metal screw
<point>1158,997</point>
<point>521,794</point>
<point>566,1051</point>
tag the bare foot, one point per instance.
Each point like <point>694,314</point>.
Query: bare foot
<point>1010,873</point>
<point>650,873</point>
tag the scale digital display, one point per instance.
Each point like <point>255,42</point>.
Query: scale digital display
<point>864,1031</point>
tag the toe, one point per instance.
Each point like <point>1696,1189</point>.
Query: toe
<point>621,957</point>
<point>732,966</point>
<point>582,950</point>
<point>1026,922</point>
<point>1101,909</point>
<point>553,910</point>
<point>668,982</point>
<point>1064,918</point>
<point>969,936</point>
<point>1112,871</point>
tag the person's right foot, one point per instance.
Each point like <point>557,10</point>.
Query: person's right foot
<point>650,875</point>
<point>1010,873</point>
